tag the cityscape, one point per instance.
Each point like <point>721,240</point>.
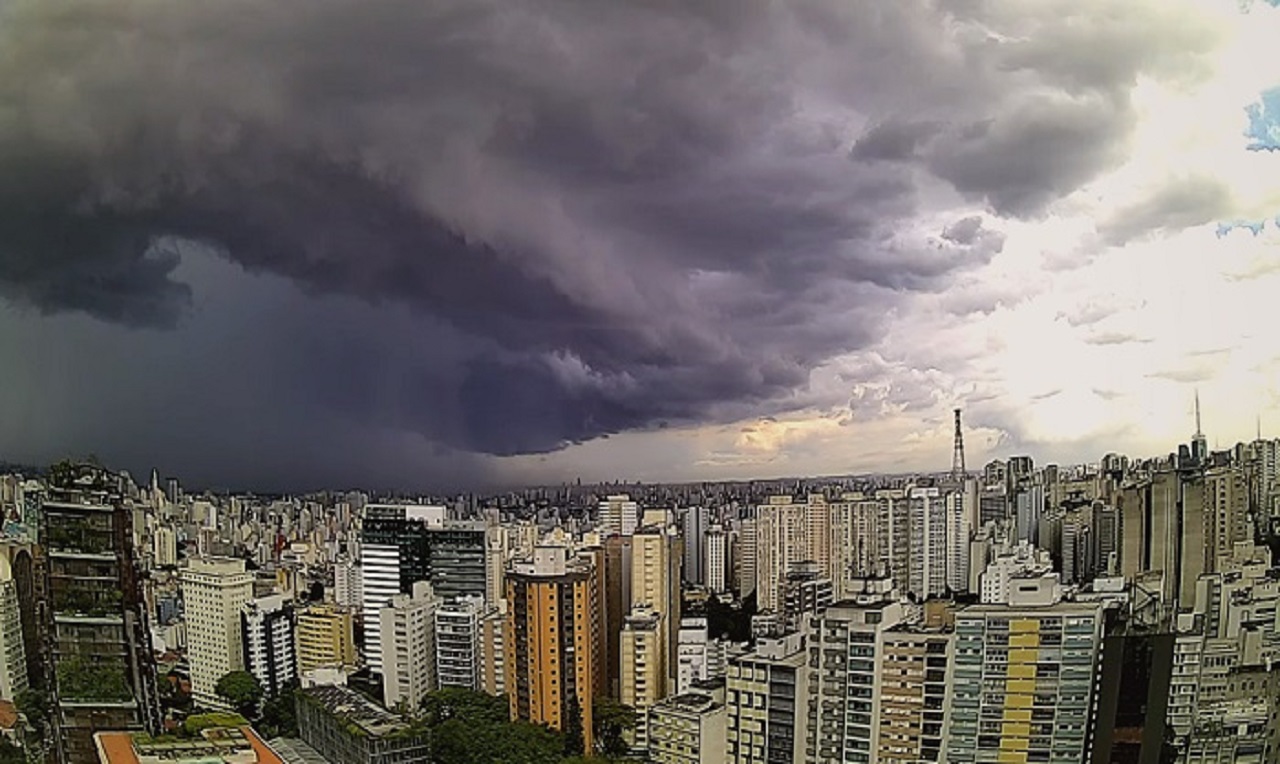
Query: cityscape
<point>639,382</point>
<point>1119,611</point>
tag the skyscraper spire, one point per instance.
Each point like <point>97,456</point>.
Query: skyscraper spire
<point>957,459</point>
<point>1199,432</point>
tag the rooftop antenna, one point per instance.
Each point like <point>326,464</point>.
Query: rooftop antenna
<point>957,459</point>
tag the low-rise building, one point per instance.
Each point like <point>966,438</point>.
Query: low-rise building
<point>690,728</point>
<point>343,726</point>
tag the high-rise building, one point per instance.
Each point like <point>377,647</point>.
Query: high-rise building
<point>716,559</point>
<point>619,516</point>
<point>165,547</point>
<point>745,559</point>
<point>347,588</point>
<point>405,544</point>
<point>855,542</point>
<point>554,641</point>
<point>804,591</point>
<point>1024,680</point>
<point>782,539</point>
<point>928,561</point>
<point>690,728</point>
<point>13,657</point>
<point>691,654</point>
<point>844,703</point>
<point>493,650</point>
<point>1226,505</point>
<point>214,591</point>
<point>267,633</point>
<point>1164,532</point>
<point>618,553</point>
<point>958,534</point>
<point>912,688</point>
<point>408,647</point>
<point>643,667</point>
<point>458,636</point>
<point>894,532</point>
<point>655,584</point>
<point>96,643</point>
<point>694,522</point>
<point>496,552</point>
<point>767,723</point>
<point>325,638</point>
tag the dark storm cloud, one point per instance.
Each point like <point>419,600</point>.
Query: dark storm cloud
<point>627,213</point>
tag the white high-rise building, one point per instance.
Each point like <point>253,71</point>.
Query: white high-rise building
<point>717,565</point>
<point>379,582</point>
<point>957,542</point>
<point>213,592</point>
<point>458,642</point>
<point>267,630</point>
<point>691,654</point>
<point>496,553</point>
<point>782,539</point>
<point>347,588</point>
<point>643,667</point>
<point>746,562</point>
<point>13,657</point>
<point>928,572</point>
<point>165,544</point>
<point>408,653</point>
<point>618,515</point>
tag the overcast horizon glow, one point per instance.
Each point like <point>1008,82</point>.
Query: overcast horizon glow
<point>329,243</point>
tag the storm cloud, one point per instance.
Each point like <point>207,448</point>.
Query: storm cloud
<point>616,215</point>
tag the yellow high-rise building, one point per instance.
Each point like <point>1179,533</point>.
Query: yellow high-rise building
<point>555,642</point>
<point>325,638</point>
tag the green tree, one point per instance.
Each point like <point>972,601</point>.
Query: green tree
<point>242,690</point>
<point>470,706</point>
<point>10,753</point>
<point>611,721</point>
<point>279,717</point>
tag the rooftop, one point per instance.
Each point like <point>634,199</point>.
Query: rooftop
<point>221,745</point>
<point>355,709</point>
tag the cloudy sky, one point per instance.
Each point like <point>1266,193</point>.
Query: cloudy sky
<point>308,243</point>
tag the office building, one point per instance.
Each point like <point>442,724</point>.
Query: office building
<point>97,646</point>
<point>267,634</point>
<point>767,721</point>
<point>554,640</point>
<point>214,592</point>
<point>690,728</point>
<point>694,522</point>
<point>342,726</point>
<point>458,635</point>
<point>1024,680</point>
<point>325,638</point>
<point>405,544</point>
<point>408,647</point>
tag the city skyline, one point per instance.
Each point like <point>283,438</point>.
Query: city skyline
<point>779,239</point>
